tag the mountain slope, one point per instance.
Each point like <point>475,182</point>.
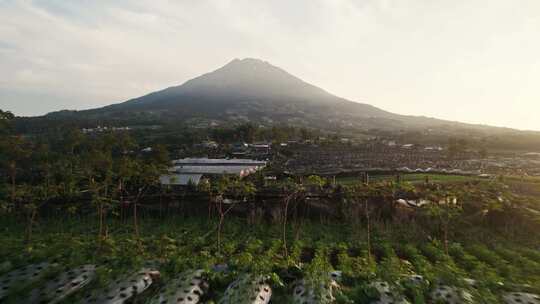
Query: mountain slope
<point>248,89</point>
<point>249,81</point>
<point>254,90</point>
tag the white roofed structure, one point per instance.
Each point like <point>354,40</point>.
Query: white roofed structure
<point>180,179</point>
<point>191,170</point>
<point>217,162</point>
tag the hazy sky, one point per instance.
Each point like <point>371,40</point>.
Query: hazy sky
<point>468,60</point>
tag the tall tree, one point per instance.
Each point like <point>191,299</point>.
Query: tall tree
<point>5,121</point>
<point>247,132</point>
<point>15,149</point>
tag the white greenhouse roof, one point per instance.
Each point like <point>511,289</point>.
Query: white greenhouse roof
<point>241,167</point>
<point>215,170</point>
<point>218,162</point>
<point>180,179</point>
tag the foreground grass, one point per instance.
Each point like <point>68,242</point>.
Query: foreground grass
<point>178,244</point>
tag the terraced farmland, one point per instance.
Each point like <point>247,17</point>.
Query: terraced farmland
<point>177,261</point>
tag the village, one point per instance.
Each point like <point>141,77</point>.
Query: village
<point>343,159</point>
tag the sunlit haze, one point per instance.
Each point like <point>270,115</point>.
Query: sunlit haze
<point>471,61</point>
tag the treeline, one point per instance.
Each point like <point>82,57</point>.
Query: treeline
<point>64,166</point>
<point>488,139</point>
<point>477,138</point>
<point>173,133</point>
<point>179,134</point>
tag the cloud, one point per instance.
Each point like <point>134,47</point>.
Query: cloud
<point>426,57</point>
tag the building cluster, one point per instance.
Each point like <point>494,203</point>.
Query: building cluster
<point>101,129</point>
<point>258,151</point>
<point>306,158</point>
<point>191,170</point>
<point>335,159</point>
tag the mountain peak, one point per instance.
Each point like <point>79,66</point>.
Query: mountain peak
<point>247,61</point>
<point>250,65</point>
<point>248,76</point>
<point>247,88</point>
<point>251,89</point>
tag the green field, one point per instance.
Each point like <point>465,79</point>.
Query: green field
<point>178,244</point>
